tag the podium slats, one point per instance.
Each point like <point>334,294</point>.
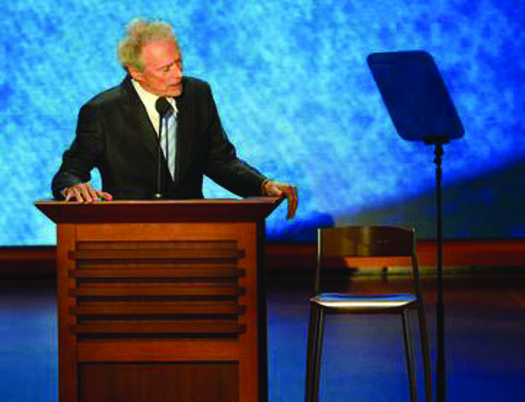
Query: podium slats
<point>155,309</point>
<point>139,290</point>
<point>156,288</point>
<point>212,272</point>
<point>141,327</point>
<point>146,254</point>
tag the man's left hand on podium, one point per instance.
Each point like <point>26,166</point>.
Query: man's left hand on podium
<point>277,189</point>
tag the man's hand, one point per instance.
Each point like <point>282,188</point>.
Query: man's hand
<point>85,193</point>
<point>276,189</point>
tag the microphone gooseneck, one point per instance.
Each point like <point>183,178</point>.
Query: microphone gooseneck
<point>163,107</point>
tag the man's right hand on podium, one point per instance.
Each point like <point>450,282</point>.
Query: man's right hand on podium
<point>85,193</point>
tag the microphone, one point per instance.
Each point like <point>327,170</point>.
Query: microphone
<point>163,107</point>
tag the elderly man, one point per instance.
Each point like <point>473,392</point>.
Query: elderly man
<point>118,133</point>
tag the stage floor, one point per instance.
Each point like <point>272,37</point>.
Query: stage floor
<point>363,358</point>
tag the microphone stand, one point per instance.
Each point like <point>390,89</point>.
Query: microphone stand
<point>163,107</point>
<point>158,194</point>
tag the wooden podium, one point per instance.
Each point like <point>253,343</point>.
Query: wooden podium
<point>161,301</point>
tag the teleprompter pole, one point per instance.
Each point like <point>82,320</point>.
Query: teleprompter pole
<point>440,310</point>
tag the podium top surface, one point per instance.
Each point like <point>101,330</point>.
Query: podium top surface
<point>168,211</point>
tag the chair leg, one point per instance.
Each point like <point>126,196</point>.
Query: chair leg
<point>425,349</point>
<point>312,322</point>
<point>313,354</point>
<point>409,357</point>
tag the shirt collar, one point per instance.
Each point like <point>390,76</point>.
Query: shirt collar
<point>149,99</point>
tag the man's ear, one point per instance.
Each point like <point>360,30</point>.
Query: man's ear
<point>135,74</point>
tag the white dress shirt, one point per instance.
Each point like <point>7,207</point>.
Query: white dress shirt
<point>148,99</point>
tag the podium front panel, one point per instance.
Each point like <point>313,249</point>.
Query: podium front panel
<point>166,307</point>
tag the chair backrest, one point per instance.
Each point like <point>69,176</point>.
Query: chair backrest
<point>366,241</point>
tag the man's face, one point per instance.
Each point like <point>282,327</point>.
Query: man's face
<point>162,73</point>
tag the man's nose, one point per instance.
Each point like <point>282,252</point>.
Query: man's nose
<point>176,71</point>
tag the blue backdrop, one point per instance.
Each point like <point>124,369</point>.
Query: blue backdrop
<point>297,99</point>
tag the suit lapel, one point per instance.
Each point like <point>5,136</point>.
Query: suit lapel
<point>145,132</point>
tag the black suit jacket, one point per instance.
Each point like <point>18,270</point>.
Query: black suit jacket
<point>115,135</point>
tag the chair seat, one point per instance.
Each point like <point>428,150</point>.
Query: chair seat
<point>363,302</point>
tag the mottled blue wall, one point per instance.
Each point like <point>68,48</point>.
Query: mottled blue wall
<point>296,97</point>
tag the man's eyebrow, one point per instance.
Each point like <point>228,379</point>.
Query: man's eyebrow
<point>177,60</point>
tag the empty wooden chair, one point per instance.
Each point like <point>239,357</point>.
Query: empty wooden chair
<point>369,242</point>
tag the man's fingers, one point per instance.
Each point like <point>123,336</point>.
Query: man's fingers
<point>291,196</point>
<point>87,194</point>
<point>81,193</point>
<point>105,196</point>
<point>74,195</point>
<point>277,189</point>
